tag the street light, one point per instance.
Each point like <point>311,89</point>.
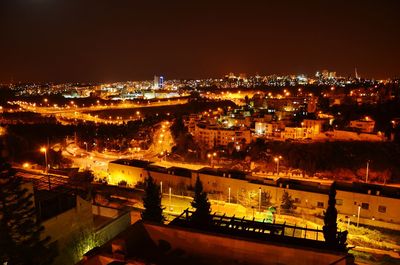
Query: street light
<point>259,199</point>
<point>170,199</point>
<point>358,214</point>
<point>277,159</point>
<point>229,195</point>
<point>44,150</point>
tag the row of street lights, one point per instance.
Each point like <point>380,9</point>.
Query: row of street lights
<point>259,202</point>
<point>229,195</point>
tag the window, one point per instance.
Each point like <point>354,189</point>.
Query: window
<point>297,200</point>
<point>382,209</point>
<point>339,201</point>
<point>320,204</point>
<point>365,206</point>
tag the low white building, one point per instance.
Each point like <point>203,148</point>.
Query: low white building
<point>365,125</point>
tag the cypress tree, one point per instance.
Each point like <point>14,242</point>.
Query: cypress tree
<point>20,234</point>
<point>330,217</point>
<point>201,215</point>
<point>152,202</point>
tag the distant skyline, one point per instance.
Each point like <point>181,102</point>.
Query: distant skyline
<point>106,41</point>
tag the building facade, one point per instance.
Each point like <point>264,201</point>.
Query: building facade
<point>377,203</point>
<point>213,135</point>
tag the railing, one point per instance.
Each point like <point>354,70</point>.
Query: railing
<point>47,181</point>
<point>261,229</point>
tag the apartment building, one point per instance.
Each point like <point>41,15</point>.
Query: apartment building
<point>215,135</point>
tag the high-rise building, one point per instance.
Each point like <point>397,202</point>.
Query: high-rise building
<point>158,82</point>
<point>325,74</point>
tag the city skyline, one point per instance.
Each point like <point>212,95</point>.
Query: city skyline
<point>199,132</point>
<point>76,41</point>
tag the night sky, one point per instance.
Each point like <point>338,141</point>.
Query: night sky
<point>118,40</point>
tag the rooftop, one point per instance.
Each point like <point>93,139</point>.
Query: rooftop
<point>132,162</point>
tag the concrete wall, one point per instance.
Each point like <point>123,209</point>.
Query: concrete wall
<point>351,201</point>
<point>119,172</point>
<point>244,189</point>
<point>105,211</point>
<point>169,180</point>
<point>238,251</point>
<point>62,226</point>
<point>120,221</point>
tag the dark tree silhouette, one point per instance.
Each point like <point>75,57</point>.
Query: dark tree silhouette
<point>330,216</point>
<point>332,238</point>
<point>20,234</point>
<point>152,202</point>
<point>178,128</point>
<point>201,215</point>
<point>287,201</point>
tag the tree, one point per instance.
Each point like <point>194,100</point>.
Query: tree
<point>178,128</point>
<point>266,198</point>
<point>152,202</point>
<point>20,234</point>
<point>330,216</point>
<point>287,201</point>
<point>201,215</point>
<point>80,243</point>
<point>332,238</point>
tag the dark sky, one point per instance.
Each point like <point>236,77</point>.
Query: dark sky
<point>111,40</point>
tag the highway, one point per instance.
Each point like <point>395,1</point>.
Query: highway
<point>72,112</point>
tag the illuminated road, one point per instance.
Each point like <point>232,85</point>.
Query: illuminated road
<point>73,112</point>
<point>162,142</point>
<point>98,161</point>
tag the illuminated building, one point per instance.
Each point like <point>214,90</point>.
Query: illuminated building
<point>213,135</point>
<point>260,128</point>
<point>158,82</point>
<point>365,125</point>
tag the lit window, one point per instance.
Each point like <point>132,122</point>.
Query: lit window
<point>339,201</point>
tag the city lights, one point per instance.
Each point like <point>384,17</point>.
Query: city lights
<point>220,133</point>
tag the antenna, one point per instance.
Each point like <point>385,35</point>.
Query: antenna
<point>355,71</point>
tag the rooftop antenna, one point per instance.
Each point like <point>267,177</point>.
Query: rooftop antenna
<point>355,70</point>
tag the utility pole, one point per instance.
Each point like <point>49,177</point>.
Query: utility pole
<point>366,174</point>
